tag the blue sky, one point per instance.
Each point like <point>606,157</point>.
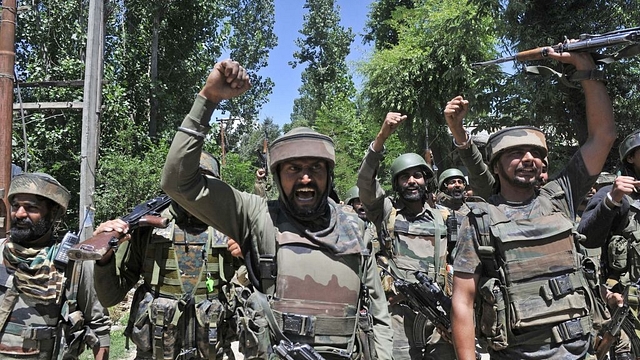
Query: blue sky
<point>288,22</point>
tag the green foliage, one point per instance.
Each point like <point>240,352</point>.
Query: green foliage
<point>124,180</point>
<point>429,65</point>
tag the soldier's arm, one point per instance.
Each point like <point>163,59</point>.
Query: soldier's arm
<point>95,315</point>
<point>600,217</point>
<point>382,330</point>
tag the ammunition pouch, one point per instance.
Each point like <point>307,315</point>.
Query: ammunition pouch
<point>492,314</point>
<point>617,253</point>
<point>365,336</point>
<point>253,328</point>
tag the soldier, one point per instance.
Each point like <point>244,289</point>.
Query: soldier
<point>413,238</point>
<point>49,307</point>
<point>612,220</point>
<point>302,250</point>
<point>353,200</point>
<point>517,255</point>
<point>176,310</point>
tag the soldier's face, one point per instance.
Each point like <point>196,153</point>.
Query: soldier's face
<point>304,182</point>
<point>359,208</point>
<point>455,188</point>
<point>411,183</point>
<point>520,166</point>
<point>30,218</point>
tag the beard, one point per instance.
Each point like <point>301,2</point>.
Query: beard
<point>457,194</point>
<point>407,193</point>
<point>308,211</point>
<point>32,231</point>
<point>517,181</point>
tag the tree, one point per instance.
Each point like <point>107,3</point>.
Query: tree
<point>323,49</point>
<point>429,65</point>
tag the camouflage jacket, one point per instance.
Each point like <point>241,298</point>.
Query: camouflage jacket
<point>563,195</point>
<point>245,217</point>
<point>416,241</point>
<point>617,230</point>
<point>32,329</point>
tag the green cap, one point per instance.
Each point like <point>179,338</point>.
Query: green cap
<point>301,142</point>
<point>450,174</point>
<point>40,184</point>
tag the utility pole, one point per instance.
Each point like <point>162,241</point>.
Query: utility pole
<point>7,62</point>
<point>92,100</point>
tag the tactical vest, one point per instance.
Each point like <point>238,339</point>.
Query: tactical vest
<point>32,326</point>
<point>623,247</point>
<point>418,245</point>
<point>533,288</point>
<point>182,272</point>
<point>316,293</point>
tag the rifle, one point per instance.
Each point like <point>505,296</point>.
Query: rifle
<point>290,351</point>
<point>586,42</point>
<point>145,214</point>
<point>425,297</point>
<point>611,332</point>
<point>432,186</point>
<point>262,155</point>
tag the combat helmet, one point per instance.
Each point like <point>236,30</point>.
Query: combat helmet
<point>406,161</point>
<point>299,143</point>
<point>514,137</point>
<point>209,164</point>
<point>353,193</point>
<point>40,184</point>
<point>629,143</point>
<point>450,174</point>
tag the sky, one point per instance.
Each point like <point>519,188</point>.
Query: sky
<point>288,23</point>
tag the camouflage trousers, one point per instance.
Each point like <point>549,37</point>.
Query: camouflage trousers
<point>415,338</point>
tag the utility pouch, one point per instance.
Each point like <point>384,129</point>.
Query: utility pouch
<point>139,326</point>
<point>365,335</point>
<point>634,255</point>
<point>617,253</point>
<point>207,314</point>
<point>492,317</point>
<point>253,329</point>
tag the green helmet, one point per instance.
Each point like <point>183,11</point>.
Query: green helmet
<point>209,164</point>
<point>409,160</point>
<point>514,137</point>
<point>40,184</point>
<point>450,174</point>
<point>352,194</point>
<point>299,143</point>
<point>629,143</point>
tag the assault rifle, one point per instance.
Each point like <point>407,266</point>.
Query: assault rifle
<point>145,214</point>
<point>425,297</point>
<point>290,351</point>
<point>611,332</point>
<point>586,42</point>
<point>262,155</point>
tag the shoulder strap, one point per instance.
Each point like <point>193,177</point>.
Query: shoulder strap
<point>480,218</point>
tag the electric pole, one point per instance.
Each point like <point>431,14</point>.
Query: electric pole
<point>7,62</point>
<point>92,100</point>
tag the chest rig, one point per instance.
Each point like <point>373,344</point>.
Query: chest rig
<point>316,293</point>
<point>533,288</point>
<point>416,243</point>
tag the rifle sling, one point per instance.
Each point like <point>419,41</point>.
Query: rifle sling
<point>629,328</point>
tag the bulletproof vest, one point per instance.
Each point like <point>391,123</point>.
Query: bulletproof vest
<point>418,244</point>
<point>532,288</point>
<point>623,247</point>
<point>316,291</point>
<point>30,325</point>
<point>180,261</point>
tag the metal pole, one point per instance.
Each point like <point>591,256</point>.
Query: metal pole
<point>7,62</point>
<point>91,115</point>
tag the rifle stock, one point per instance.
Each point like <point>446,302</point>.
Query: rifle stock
<point>611,332</point>
<point>145,214</point>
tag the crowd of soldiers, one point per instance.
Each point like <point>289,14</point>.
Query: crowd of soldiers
<point>534,265</point>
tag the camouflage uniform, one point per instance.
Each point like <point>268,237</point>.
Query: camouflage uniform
<point>617,230</point>
<point>314,278</point>
<point>418,244</point>
<point>175,310</point>
<point>33,326</point>
<point>539,323</point>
